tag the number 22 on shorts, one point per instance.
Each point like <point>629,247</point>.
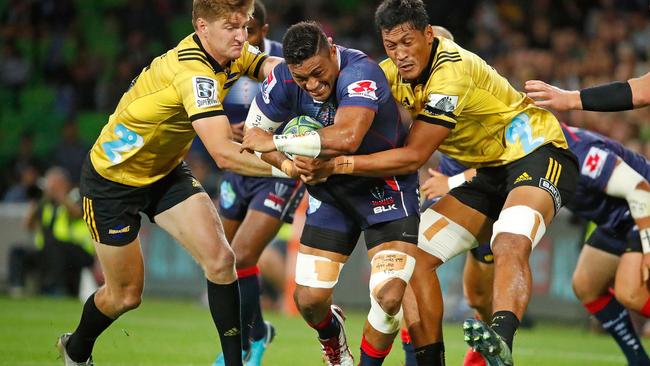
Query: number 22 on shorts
<point>128,140</point>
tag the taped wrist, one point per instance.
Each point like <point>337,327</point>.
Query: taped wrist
<point>306,144</point>
<point>612,97</point>
<point>456,180</point>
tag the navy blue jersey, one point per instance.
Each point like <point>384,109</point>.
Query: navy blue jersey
<point>597,156</point>
<point>360,83</point>
<point>241,95</point>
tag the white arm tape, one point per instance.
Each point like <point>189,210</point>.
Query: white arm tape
<point>256,118</point>
<point>306,144</point>
<point>277,173</point>
<point>456,180</point>
<point>623,181</point>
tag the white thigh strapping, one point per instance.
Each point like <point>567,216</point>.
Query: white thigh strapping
<point>443,238</point>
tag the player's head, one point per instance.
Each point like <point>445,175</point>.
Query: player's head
<point>221,26</point>
<point>311,59</point>
<point>406,34</point>
<point>257,27</point>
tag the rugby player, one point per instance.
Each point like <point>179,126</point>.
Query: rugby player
<point>136,165</point>
<point>252,209</point>
<point>349,95</point>
<point>612,191</point>
<point>464,108</point>
<point>611,97</point>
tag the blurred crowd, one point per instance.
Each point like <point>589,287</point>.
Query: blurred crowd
<point>85,53</point>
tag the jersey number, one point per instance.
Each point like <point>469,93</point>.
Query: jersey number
<point>520,130</point>
<point>128,140</point>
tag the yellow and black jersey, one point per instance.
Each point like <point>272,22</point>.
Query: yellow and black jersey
<point>151,129</point>
<point>491,123</point>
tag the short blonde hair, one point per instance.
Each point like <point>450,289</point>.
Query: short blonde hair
<point>212,10</point>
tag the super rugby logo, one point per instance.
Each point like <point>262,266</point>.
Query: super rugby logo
<point>441,103</point>
<point>363,89</point>
<point>267,86</point>
<point>205,92</point>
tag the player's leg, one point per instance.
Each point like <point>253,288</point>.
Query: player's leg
<point>327,240</point>
<point>478,277</point>
<point>181,207</point>
<point>115,222</point>
<point>268,199</point>
<point>592,280</point>
<point>447,228</point>
<point>531,204</point>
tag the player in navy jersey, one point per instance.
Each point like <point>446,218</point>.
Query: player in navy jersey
<point>349,95</point>
<point>612,192</point>
<point>252,209</point>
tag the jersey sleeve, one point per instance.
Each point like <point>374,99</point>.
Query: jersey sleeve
<point>446,94</point>
<point>199,93</point>
<point>250,61</point>
<point>275,93</point>
<point>362,85</point>
<point>596,166</point>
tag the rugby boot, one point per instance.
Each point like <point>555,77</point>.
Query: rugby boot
<point>483,339</point>
<point>335,349</point>
<point>259,347</point>
<point>473,358</point>
<point>220,361</point>
<point>67,361</point>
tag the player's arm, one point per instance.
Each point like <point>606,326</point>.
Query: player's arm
<point>343,137</point>
<point>439,184</point>
<point>611,97</point>
<point>423,139</point>
<point>216,135</point>
<point>628,184</point>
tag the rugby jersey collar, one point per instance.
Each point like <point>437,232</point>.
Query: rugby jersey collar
<point>424,77</point>
<point>215,65</point>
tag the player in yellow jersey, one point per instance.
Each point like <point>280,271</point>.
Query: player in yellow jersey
<point>136,165</point>
<point>525,172</point>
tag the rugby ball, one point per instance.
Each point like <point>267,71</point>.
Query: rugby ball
<point>299,125</point>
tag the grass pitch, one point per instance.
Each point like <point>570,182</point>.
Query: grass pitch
<point>166,332</point>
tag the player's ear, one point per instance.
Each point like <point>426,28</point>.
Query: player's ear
<point>429,34</point>
<point>265,30</point>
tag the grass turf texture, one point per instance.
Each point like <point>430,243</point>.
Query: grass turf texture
<point>166,332</point>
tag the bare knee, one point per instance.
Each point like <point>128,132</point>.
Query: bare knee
<point>220,268</point>
<point>120,300</point>
<point>508,246</point>
<point>390,296</point>
<point>310,300</point>
<point>245,256</point>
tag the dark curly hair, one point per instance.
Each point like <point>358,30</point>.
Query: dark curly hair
<point>392,13</point>
<point>302,41</point>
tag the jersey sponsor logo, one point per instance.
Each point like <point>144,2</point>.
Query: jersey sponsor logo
<point>275,200</point>
<point>227,195</point>
<point>314,205</point>
<point>119,230</point>
<point>363,89</point>
<point>520,130</point>
<point>205,92</point>
<point>441,103</point>
<point>523,178</point>
<point>267,86</point>
<point>594,162</point>
<point>127,141</point>
<point>381,203</point>
<point>546,185</point>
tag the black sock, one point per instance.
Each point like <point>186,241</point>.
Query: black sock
<point>224,307</point>
<point>615,319</point>
<point>251,313</point>
<point>505,324</point>
<point>431,354</point>
<point>92,323</point>
<point>328,327</point>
